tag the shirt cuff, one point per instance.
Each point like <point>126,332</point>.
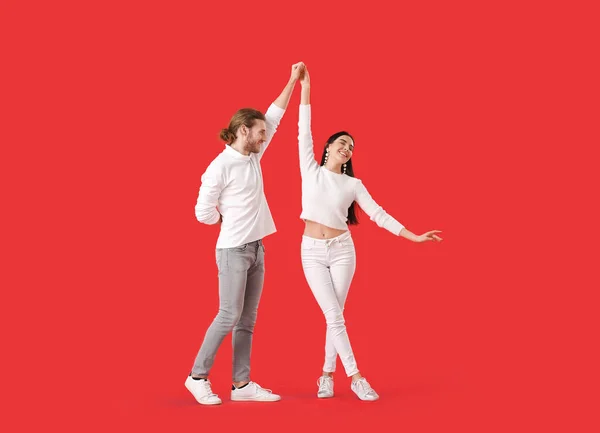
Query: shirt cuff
<point>394,226</point>
<point>275,111</point>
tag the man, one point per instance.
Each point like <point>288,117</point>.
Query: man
<point>232,193</point>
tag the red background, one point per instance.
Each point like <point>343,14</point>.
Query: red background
<point>474,118</point>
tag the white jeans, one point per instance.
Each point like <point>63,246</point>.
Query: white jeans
<point>329,266</point>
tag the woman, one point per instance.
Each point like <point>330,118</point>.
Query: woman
<point>329,194</point>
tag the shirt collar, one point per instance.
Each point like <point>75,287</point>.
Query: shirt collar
<point>231,151</point>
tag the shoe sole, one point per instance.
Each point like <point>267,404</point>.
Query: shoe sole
<point>368,399</point>
<point>365,399</point>
<point>254,399</point>
<point>209,404</point>
<point>325,396</point>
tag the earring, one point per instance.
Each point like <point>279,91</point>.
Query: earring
<point>344,169</point>
<point>326,156</point>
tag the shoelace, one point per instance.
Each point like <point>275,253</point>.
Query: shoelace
<point>366,387</point>
<point>324,383</point>
<point>208,389</point>
<point>261,390</point>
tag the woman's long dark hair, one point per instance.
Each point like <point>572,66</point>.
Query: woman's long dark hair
<point>352,219</point>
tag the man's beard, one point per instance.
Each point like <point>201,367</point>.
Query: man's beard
<point>252,145</point>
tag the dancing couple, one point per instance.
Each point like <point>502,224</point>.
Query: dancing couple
<point>232,195</point>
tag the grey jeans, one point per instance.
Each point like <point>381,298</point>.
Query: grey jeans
<point>241,276</point>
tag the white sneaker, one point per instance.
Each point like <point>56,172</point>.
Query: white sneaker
<point>253,392</point>
<point>201,391</point>
<point>363,390</point>
<point>325,387</point>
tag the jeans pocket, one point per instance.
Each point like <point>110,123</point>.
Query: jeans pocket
<point>347,243</point>
<point>240,249</point>
<point>307,245</point>
<point>260,256</point>
<point>221,256</point>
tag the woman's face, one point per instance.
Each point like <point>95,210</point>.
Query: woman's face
<point>341,149</point>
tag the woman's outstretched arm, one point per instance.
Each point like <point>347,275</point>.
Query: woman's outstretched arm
<point>305,141</point>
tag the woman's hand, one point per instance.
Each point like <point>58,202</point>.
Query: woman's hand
<point>429,236</point>
<point>425,237</point>
<point>304,77</point>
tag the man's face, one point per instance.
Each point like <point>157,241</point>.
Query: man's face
<point>257,135</point>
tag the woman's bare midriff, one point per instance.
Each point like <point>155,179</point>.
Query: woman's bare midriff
<point>319,231</point>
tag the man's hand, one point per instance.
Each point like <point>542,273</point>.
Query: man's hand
<point>297,69</point>
<point>284,98</point>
